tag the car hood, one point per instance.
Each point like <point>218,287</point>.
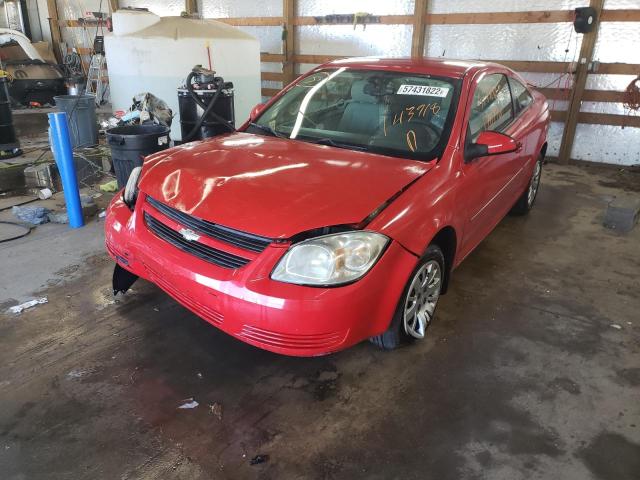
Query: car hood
<point>275,187</point>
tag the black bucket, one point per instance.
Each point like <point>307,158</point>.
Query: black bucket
<point>129,146</point>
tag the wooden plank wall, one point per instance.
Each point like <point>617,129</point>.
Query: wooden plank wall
<point>420,21</point>
<point>547,16</point>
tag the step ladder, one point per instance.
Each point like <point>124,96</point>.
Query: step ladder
<point>97,78</point>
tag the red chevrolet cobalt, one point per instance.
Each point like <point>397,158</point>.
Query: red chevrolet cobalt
<point>338,212</point>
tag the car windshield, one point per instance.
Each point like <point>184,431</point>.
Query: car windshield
<point>392,113</point>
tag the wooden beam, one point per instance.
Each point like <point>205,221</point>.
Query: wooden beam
<point>609,119</point>
<point>381,20</point>
<point>580,82</point>
<point>252,21</point>
<point>56,34</point>
<point>289,40</point>
<point>269,92</point>
<point>486,18</point>
<point>520,66</point>
<point>618,68</point>
<point>593,118</point>
<point>78,23</point>
<point>630,15</point>
<point>517,65</point>
<point>419,30</point>
<point>535,66</point>
<point>316,58</point>
<point>271,76</point>
<point>271,57</point>
<point>191,7</point>
<point>607,96</point>
<point>553,16</point>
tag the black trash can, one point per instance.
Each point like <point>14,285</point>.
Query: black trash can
<point>129,145</point>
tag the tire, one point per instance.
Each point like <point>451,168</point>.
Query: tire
<point>528,197</point>
<point>404,332</point>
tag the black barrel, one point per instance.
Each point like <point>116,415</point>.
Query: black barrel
<point>129,145</point>
<point>8,141</point>
<point>190,113</point>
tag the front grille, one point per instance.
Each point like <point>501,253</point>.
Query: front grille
<point>247,241</point>
<point>200,250</point>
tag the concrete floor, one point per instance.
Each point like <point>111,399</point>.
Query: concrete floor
<point>531,371</point>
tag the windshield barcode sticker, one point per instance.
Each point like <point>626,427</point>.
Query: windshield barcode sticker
<point>423,90</point>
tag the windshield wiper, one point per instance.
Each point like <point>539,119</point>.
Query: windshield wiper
<point>332,143</point>
<point>267,129</point>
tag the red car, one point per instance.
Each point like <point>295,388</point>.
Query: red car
<point>338,212</point>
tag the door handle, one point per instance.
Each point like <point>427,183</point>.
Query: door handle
<point>518,147</point>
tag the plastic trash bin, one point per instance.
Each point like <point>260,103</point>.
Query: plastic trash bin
<point>129,145</point>
<point>81,118</point>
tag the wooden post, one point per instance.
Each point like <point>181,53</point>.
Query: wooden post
<point>579,84</point>
<point>419,31</point>
<point>289,40</point>
<point>191,7</point>
<point>114,5</point>
<point>54,26</point>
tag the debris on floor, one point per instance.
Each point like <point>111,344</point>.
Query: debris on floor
<point>622,213</point>
<point>216,409</point>
<point>78,373</point>
<point>188,404</point>
<point>45,193</point>
<point>616,326</point>
<point>32,215</point>
<point>31,303</point>
<point>110,186</point>
<point>58,217</point>
<point>258,459</point>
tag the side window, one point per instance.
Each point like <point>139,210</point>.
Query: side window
<point>492,108</point>
<point>521,95</point>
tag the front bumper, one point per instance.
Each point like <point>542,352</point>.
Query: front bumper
<point>247,304</point>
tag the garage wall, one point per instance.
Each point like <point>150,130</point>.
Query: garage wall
<point>554,42</point>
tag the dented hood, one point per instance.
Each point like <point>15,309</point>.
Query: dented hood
<point>274,187</point>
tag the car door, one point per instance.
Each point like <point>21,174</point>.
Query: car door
<point>522,130</point>
<point>488,181</point>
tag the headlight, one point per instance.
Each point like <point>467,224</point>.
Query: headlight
<point>131,189</point>
<point>331,259</point>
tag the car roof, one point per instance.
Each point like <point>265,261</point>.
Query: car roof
<point>435,66</point>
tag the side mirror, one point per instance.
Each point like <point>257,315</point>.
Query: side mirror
<point>255,111</point>
<point>490,143</point>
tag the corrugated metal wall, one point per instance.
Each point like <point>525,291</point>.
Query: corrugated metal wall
<point>617,42</point>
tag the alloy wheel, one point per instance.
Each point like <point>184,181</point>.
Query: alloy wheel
<point>422,297</point>
<point>535,183</point>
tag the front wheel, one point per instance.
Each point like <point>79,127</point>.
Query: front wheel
<point>417,305</point>
<point>525,202</point>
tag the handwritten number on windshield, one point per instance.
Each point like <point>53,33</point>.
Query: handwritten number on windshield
<point>412,142</point>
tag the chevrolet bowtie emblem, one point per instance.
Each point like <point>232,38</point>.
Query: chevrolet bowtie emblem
<point>189,235</point>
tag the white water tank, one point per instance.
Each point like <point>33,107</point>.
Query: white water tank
<point>148,53</point>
